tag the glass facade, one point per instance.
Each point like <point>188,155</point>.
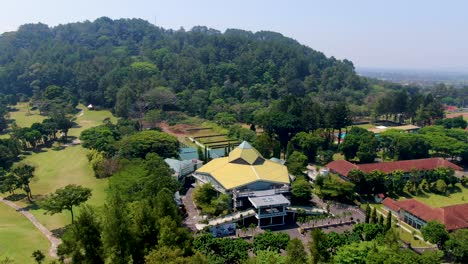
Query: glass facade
<point>413,220</point>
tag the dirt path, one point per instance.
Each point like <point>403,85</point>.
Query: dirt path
<point>54,242</point>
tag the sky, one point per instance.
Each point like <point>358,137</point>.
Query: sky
<point>392,34</point>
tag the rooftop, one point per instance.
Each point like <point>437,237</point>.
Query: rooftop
<point>244,165</point>
<point>271,200</point>
<point>245,153</point>
<point>188,153</point>
<point>343,167</point>
<point>453,217</point>
<point>380,129</point>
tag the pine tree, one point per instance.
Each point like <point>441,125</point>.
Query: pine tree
<point>373,217</point>
<point>201,155</point>
<point>380,220</point>
<point>295,252</point>
<point>289,149</point>
<point>368,213</point>
<point>388,223</point>
<point>116,235</point>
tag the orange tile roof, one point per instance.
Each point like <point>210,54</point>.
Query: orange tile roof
<point>453,217</point>
<point>343,167</point>
<point>391,204</point>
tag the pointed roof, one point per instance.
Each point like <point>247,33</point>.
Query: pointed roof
<point>243,166</point>
<point>245,154</point>
<point>245,145</point>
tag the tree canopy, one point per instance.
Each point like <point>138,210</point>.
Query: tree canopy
<point>65,199</point>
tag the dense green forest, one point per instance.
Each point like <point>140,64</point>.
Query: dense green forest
<point>113,63</point>
<point>133,67</point>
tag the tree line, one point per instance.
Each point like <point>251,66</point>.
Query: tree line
<point>137,70</point>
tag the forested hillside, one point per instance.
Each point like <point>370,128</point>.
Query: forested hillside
<point>121,63</point>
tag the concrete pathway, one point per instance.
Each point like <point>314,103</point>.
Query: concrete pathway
<point>54,241</point>
<point>193,215</point>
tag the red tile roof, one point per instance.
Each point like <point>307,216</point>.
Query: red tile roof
<point>451,108</point>
<point>422,210</point>
<point>391,204</point>
<point>456,216</point>
<point>343,167</point>
<point>453,217</point>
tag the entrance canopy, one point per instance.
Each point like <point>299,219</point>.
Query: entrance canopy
<point>268,201</point>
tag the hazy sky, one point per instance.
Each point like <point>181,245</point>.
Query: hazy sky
<point>422,34</point>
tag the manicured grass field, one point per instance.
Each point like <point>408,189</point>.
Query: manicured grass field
<point>25,117</point>
<point>57,168</point>
<point>89,118</point>
<point>460,196</point>
<point>18,237</point>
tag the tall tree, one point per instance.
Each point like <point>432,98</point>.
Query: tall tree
<point>295,253</point>
<point>340,118</point>
<point>435,233</point>
<point>82,240</point>
<point>116,236</point>
<point>457,245</point>
<point>24,173</point>
<point>65,199</point>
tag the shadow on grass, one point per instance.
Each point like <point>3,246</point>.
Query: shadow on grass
<point>59,232</point>
<point>13,109</point>
<point>454,189</point>
<point>16,197</point>
<point>40,150</point>
<point>26,153</point>
<point>58,148</point>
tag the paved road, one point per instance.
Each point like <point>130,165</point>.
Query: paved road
<point>193,215</point>
<point>54,241</point>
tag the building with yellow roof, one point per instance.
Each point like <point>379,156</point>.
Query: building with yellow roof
<point>244,169</point>
<point>248,176</point>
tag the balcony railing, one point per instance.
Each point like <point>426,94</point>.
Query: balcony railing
<point>253,193</point>
<point>268,215</point>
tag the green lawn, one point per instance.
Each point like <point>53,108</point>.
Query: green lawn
<point>19,237</point>
<point>57,168</point>
<point>409,238</point>
<point>365,126</point>
<point>459,196</point>
<point>25,117</point>
<point>89,118</point>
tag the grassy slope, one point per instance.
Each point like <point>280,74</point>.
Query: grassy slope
<point>437,200</point>
<point>25,118</point>
<point>55,169</point>
<point>18,237</point>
